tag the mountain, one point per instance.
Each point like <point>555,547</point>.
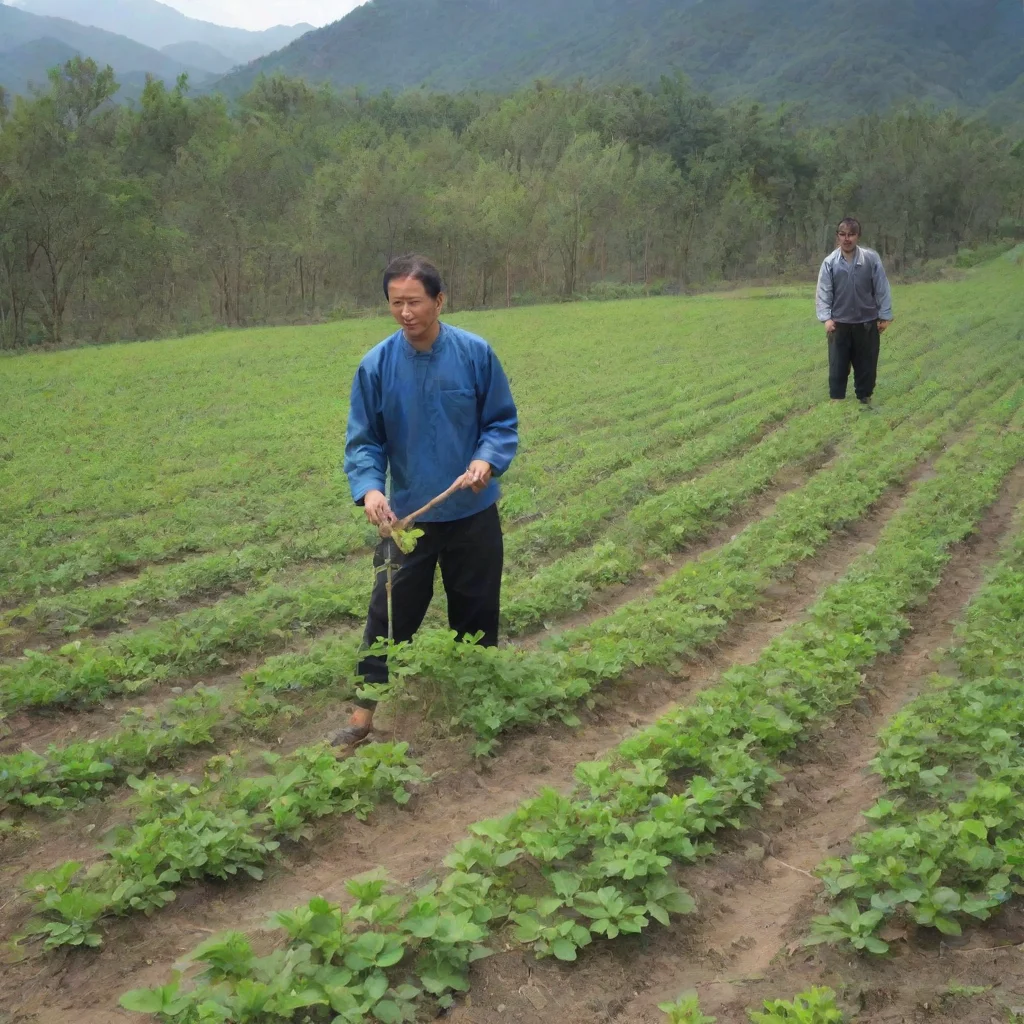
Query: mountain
<point>30,45</point>
<point>201,56</point>
<point>25,65</point>
<point>157,25</point>
<point>839,57</point>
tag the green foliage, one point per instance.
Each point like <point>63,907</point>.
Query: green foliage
<point>66,776</point>
<point>563,870</point>
<point>815,1006</point>
<point>491,690</point>
<point>83,672</point>
<point>946,842</point>
<point>186,214</point>
<point>227,824</point>
<point>406,539</point>
<point>686,1010</point>
<point>378,959</point>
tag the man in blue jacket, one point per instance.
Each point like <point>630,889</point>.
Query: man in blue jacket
<point>430,406</point>
<point>854,302</point>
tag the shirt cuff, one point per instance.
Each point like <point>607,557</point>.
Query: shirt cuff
<point>359,493</point>
<point>488,455</point>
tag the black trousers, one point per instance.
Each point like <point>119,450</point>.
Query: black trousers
<point>856,345</point>
<point>470,552</point>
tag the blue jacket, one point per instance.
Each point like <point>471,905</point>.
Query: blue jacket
<point>423,417</point>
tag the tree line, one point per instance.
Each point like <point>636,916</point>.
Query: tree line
<point>179,214</point>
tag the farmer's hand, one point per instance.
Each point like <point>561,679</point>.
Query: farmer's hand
<point>478,476</point>
<point>882,325</point>
<point>377,509</point>
<point>830,326</point>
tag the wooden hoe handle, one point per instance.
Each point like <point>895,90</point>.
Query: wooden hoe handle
<point>386,529</point>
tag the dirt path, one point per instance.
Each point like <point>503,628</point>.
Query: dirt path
<point>756,898</point>
<point>412,841</point>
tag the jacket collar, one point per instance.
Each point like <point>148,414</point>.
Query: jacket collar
<point>410,353</point>
<point>858,259</point>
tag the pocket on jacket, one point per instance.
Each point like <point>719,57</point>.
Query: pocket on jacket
<point>459,406</point>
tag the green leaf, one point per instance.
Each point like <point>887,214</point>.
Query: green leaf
<point>143,1000</point>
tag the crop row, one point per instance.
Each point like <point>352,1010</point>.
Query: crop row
<point>563,870</point>
<point>50,563</point>
<point>579,514</point>
<point>668,520</point>
<point>567,524</point>
<point>82,672</point>
<point>227,823</point>
<point>65,776</point>
<point>197,641</point>
<point>491,691</point>
<point>545,476</point>
<point>815,1006</point>
<point>34,780</point>
<point>947,842</point>
<point>60,551</point>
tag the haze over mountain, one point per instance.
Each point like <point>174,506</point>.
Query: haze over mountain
<point>838,56</point>
<point>30,45</point>
<point>156,25</point>
<point>201,56</point>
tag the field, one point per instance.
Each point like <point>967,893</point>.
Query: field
<point>756,725</point>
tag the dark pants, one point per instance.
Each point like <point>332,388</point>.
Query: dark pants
<point>471,553</point>
<point>856,345</point>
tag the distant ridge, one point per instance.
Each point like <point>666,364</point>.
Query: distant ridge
<point>157,25</point>
<point>201,56</point>
<point>836,56</point>
<point>30,45</point>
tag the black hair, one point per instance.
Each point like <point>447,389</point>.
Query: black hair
<point>418,267</point>
<point>850,223</point>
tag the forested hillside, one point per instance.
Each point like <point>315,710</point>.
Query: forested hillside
<point>182,213</point>
<point>841,58</point>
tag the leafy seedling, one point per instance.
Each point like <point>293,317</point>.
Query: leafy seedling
<point>406,539</point>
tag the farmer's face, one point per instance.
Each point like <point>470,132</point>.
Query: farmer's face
<point>414,310</point>
<point>848,239</point>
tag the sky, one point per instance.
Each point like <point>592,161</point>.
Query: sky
<point>257,14</point>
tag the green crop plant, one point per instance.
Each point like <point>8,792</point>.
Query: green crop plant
<point>226,824</point>
<point>565,869</point>
<point>815,1006</point>
<point>221,471</point>
<point>65,776</point>
<point>678,515</point>
<point>163,586</point>
<point>83,672</point>
<point>686,1010</point>
<point>492,690</point>
<point>947,842</point>
<point>224,477</point>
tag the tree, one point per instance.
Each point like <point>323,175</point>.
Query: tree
<point>65,182</point>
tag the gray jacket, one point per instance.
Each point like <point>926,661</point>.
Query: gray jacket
<point>854,294</point>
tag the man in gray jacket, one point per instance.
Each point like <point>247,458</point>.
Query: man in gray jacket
<point>854,302</point>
